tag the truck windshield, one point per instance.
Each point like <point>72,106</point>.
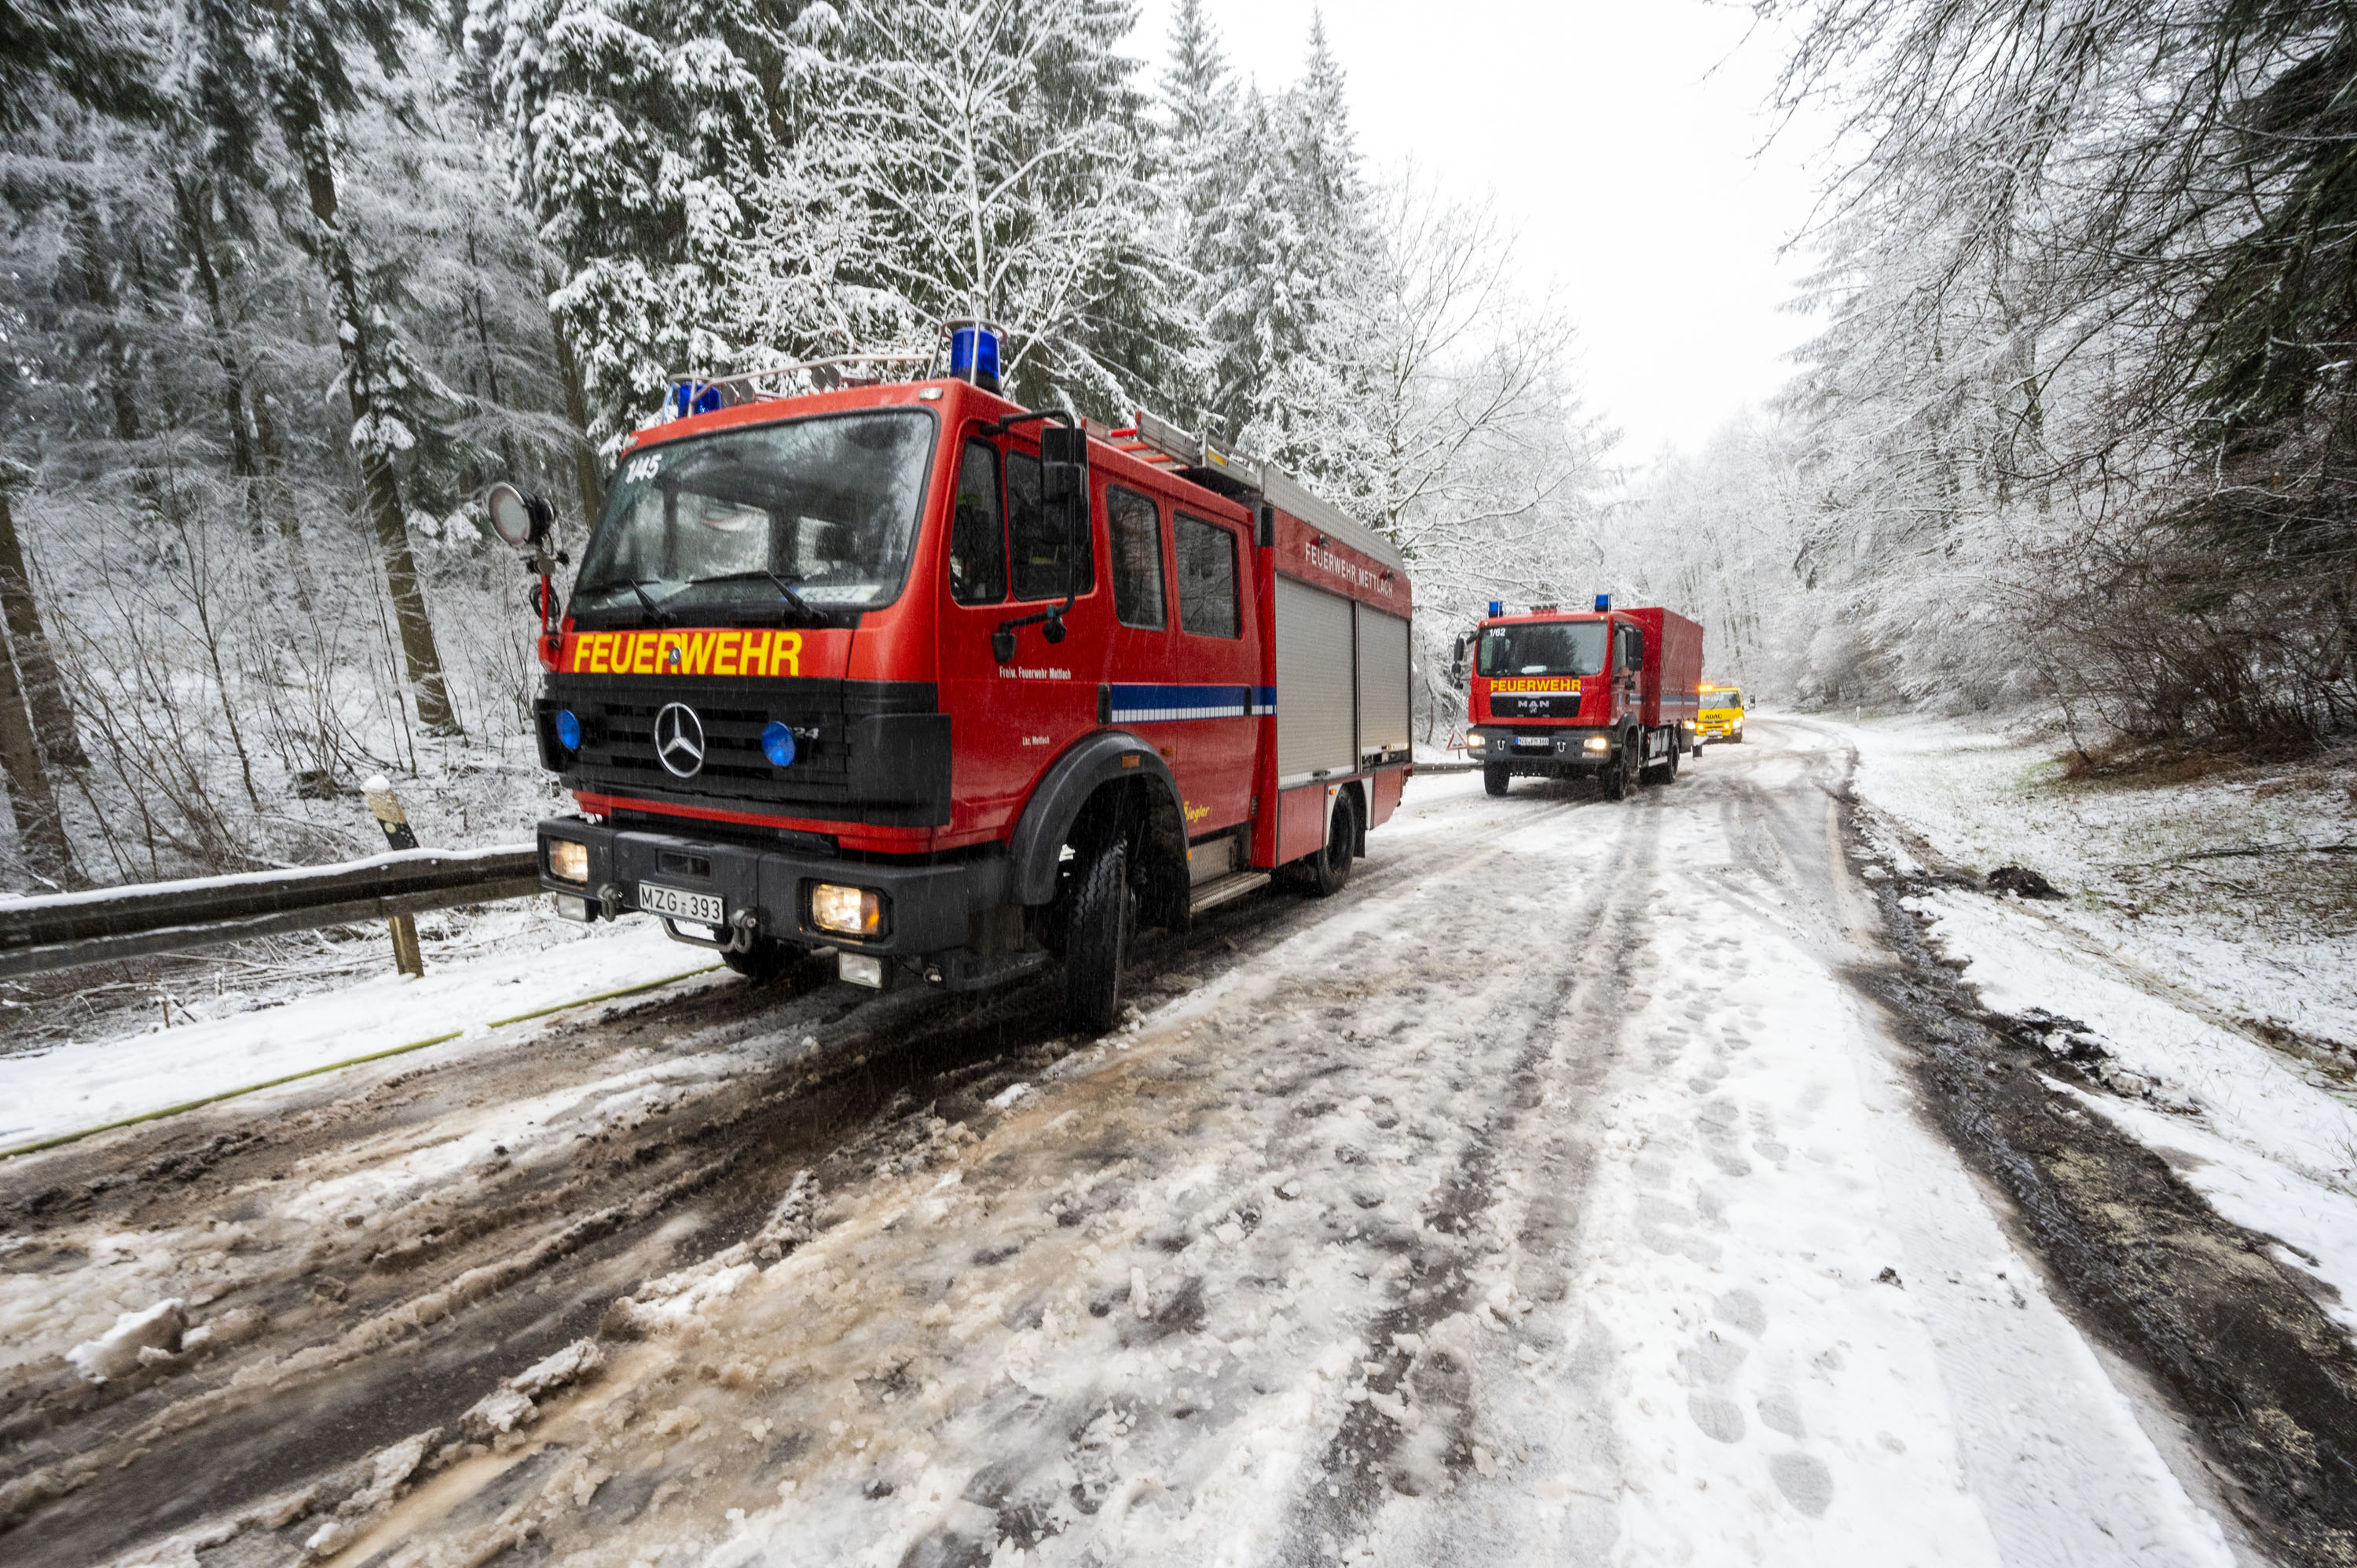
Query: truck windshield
<point>809,520</point>
<point>1545,648</point>
<point>1722,699</point>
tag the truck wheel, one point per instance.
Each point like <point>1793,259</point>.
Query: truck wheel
<point>1096,939</point>
<point>762,963</point>
<point>1616,778</point>
<point>1494,777</point>
<point>1329,870</point>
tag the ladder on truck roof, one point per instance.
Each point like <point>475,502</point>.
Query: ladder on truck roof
<point>1162,445</point>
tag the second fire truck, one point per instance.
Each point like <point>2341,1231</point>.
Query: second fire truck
<point>1608,695</point>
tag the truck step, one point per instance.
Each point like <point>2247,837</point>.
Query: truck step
<point>1219,889</point>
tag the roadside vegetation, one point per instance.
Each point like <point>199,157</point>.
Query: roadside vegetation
<point>2076,434</point>
<point>283,289</point>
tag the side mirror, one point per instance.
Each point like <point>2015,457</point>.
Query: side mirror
<point>1457,666</point>
<point>521,519</point>
<point>1063,465</point>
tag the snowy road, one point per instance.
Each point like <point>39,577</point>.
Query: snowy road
<point>1554,1195</point>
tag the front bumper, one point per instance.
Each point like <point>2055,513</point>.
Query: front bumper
<point>928,909</point>
<point>1562,753</point>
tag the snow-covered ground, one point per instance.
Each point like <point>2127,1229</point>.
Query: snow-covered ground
<point>1551,1196</point>
<point>541,963</point>
<point>2180,969</point>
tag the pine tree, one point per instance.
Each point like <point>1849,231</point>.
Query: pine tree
<point>639,127</point>
<point>1198,156</point>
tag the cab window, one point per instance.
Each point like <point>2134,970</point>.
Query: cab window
<point>1038,543</point>
<point>1134,538</point>
<point>977,531</point>
<point>1207,579</point>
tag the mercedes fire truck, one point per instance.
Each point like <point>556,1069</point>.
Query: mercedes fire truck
<point>955,688</point>
<point>1606,695</point>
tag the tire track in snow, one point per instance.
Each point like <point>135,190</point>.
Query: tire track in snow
<point>906,1351</point>
<point>1415,1428</point>
<point>506,1233</point>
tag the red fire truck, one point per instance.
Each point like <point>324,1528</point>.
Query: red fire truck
<point>1607,694</point>
<point>955,688</point>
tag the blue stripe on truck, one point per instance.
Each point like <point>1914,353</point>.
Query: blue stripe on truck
<point>1155,705</point>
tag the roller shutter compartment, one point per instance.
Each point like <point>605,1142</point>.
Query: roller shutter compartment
<point>1383,681</point>
<point>1316,710</point>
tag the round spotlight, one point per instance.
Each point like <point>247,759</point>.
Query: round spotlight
<point>778,744</point>
<point>568,729</point>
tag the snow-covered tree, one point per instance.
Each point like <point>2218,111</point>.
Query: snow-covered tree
<point>636,132</point>
<point>976,159</point>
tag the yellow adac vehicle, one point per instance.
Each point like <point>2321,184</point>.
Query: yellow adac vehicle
<point>1721,718</point>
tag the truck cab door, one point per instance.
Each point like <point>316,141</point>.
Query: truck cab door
<point>986,779</point>
<point>1006,558</point>
<point>1628,664</point>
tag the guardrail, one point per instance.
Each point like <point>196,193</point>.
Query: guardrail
<point>67,929</point>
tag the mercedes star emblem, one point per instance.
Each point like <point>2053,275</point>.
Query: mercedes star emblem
<point>678,741</point>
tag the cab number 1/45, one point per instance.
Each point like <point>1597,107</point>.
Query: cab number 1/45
<point>703,908</point>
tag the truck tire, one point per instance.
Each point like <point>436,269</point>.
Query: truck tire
<point>1494,777</point>
<point>1097,929</point>
<point>1330,869</point>
<point>762,963</point>
<point>1615,780</point>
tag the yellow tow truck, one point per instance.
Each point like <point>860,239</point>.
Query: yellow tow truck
<point>1721,718</point>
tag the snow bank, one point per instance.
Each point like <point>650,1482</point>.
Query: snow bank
<point>95,1083</point>
<point>2177,987</point>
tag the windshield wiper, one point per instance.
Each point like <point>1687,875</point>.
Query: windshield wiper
<point>660,613</point>
<point>785,589</point>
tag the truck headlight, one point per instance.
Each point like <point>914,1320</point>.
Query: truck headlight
<point>853,912</point>
<point>1600,743</point>
<point>1472,740</point>
<point>568,860</point>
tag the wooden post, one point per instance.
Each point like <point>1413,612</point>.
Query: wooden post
<point>386,807</point>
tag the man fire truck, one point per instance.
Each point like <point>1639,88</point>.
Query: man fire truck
<point>1608,695</point>
<point>952,687</point>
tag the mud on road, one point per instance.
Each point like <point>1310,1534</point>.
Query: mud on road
<point>1309,1264</point>
<point>369,1262</point>
<point>2240,1340</point>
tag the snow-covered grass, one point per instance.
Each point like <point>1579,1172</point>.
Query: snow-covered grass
<point>540,962</point>
<point>2214,885</point>
<point>2225,1003</point>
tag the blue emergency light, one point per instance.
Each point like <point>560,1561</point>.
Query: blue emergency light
<point>1497,606</point>
<point>778,744</point>
<point>568,729</point>
<point>693,397</point>
<point>1603,603</point>
<point>974,356</point>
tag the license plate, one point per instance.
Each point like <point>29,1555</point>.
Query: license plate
<point>1537,741</point>
<point>703,908</point>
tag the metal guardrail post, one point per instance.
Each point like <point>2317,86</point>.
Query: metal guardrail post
<point>386,807</point>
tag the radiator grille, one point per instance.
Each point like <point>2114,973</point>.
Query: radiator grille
<point>618,741</point>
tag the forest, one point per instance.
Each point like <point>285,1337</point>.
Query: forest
<point>287,287</point>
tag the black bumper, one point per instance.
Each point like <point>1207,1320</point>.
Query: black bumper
<point>927,906</point>
<point>1566,755</point>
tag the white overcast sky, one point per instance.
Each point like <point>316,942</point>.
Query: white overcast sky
<point>1620,140</point>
